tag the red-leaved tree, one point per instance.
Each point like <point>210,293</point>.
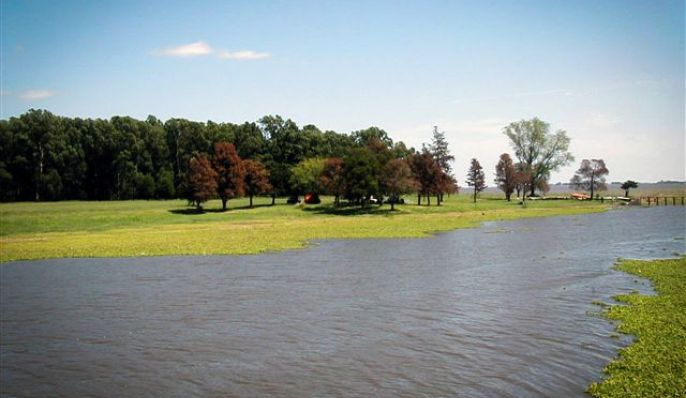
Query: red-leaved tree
<point>230,172</point>
<point>201,180</point>
<point>256,178</point>
<point>332,179</point>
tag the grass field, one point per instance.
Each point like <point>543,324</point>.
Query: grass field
<point>143,228</point>
<point>655,365</point>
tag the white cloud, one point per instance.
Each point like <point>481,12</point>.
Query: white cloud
<point>30,95</point>
<point>245,55</point>
<point>199,48</point>
<point>542,93</point>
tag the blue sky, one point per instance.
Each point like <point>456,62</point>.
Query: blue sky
<point>611,73</point>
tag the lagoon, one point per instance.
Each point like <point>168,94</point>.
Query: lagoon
<point>501,310</point>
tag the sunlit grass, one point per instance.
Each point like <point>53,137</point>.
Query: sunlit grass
<point>144,228</point>
<point>655,364</point>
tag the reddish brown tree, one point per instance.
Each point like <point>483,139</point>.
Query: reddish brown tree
<point>397,179</point>
<point>591,175</point>
<point>230,172</point>
<point>475,177</point>
<point>505,175</point>
<point>332,178</point>
<point>256,178</point>
<point>201,180</point>
<point>428,173</point>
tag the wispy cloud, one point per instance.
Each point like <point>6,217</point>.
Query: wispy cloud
<point>201,49</point>
<point>542,93</point>
<point>197,49</point>
<point>32,95</point>
<point>245,55</point>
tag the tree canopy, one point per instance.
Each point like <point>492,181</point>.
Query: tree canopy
<point>591,176</point>
<point>538,151</point>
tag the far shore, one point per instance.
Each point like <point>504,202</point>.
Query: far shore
<point>30,231</point>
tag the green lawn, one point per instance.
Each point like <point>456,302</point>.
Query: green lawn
<point>655,364</point>
<point>136,228</point>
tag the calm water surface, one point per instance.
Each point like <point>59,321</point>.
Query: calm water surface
<point>499,311</point>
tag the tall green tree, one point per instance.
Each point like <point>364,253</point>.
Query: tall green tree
<point>361,175</point>
<point>366,136</point>
<point>440,151</point>
<point>539,151</point>
<point>306,175</point>
<point>397,179</point>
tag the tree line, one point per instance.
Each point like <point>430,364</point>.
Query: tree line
<point>48,157</point>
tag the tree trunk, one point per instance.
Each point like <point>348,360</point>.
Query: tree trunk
<point>428,200</point>
<point>626,193</point>
<point>392,207</point>
<point>507,196</point>
<point>251,201</point>
<point>273,199</point>
<point>592,183</point>
<point>438,199</point>
<point>419,199</point>
<point>39,183</point>
<point>224,200</point>
<point>336,201</point>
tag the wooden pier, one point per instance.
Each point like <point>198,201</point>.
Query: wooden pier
<point>661,200</point>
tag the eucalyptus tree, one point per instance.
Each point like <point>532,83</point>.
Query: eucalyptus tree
<point>538,151</point>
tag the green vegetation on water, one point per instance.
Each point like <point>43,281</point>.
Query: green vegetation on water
<point>655,364</point>
<point>144,228</point>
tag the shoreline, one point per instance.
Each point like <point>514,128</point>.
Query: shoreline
<point>268,234</point>
<point>654,363</point>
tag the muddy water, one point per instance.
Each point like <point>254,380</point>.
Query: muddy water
<point>499,311</point>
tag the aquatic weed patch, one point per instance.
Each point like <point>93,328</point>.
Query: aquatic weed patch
<point>142,228</point>
<point>655,364</point>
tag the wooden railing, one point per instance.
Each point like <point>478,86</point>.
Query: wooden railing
<point>661,200</point>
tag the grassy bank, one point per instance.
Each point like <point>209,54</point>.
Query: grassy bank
<point>142,228</point>
<point>655,364</point>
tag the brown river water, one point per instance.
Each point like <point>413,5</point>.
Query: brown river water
<point>504,310</point>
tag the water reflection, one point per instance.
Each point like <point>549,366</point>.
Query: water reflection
<point>502,310</point>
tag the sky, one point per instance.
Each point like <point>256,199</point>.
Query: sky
<point>610,73</point>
